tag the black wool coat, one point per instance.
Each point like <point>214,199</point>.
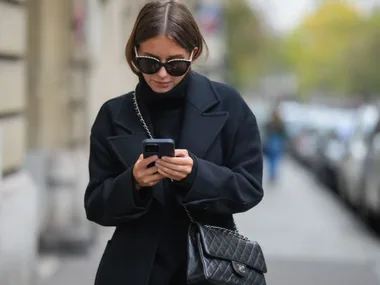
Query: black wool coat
<point>219,130</point>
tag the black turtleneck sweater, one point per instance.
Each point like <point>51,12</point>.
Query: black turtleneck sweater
<point>165,111</point>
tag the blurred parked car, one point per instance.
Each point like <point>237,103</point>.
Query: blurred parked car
<point>319,122</point>
<point>351,169</point>
<point>262,109</point>
<point>330,145</point>
<point>293,116</point>
<point>370,194</point>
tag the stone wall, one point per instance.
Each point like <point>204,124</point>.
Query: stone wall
<point>18,219</point>
<point>12,82</point>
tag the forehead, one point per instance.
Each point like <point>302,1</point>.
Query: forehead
<point>162,47</point>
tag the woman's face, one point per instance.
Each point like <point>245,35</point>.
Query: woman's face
<point>163,49</point>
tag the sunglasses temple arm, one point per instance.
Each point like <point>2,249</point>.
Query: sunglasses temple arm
<point>136,54</point>
<point>191,55</point>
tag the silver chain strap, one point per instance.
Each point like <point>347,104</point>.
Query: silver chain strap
<point>223,230</point>
<point>139,115</point>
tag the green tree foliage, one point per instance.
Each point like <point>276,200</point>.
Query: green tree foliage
<point>362,59</point>
<point>318,47</point>
<point>247,42</point>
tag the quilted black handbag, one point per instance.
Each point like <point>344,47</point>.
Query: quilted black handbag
<point>217,255</point>
<point>221,256</point>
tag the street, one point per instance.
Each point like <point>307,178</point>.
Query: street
<point>307,235</point>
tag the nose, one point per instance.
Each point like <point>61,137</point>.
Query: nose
<point>162,72</point>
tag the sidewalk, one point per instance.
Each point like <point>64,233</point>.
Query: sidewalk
<point>75,270</point>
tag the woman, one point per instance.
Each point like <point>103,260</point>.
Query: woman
<point>216,171</point>
<point>274,146</point>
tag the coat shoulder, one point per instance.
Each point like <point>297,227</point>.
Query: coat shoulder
<point>108,111</point>
<point>225,90</point>
<point>113,105</point>
<point>230,98</point>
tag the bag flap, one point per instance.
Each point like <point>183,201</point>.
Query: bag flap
<point>224,245</point>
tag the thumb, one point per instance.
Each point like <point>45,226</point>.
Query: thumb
<point>141,157</point>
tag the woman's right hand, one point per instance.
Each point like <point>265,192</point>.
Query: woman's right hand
<point>146,176</point>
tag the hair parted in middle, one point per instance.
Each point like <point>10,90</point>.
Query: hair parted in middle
<point>169,18</point>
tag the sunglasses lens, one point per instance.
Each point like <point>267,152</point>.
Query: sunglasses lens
<point>148,65</point>
<point>177,67</point>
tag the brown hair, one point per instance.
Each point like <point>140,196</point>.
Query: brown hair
<point>170,18</point>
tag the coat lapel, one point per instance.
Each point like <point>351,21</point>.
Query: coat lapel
<point>201,124</point>
<point>127,145</point>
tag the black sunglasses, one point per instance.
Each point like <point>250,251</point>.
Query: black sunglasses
<point>151,65</point>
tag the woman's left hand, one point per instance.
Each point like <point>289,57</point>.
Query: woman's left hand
<point>176,168</point>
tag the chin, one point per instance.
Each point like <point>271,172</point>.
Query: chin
<point>159,89</point>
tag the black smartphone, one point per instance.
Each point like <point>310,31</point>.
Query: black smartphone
<point>159,147</point>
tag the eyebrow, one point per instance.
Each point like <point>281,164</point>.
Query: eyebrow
<point>180,56</point>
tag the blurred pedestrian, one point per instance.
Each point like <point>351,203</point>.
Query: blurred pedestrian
<point>274,144</point>
<point>216,171</point>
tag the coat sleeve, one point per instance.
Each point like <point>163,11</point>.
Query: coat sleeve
<point>111,197</point>
<point>236,186</point>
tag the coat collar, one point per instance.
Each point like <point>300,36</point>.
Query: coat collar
<point>202,122</point>
<point>202,94</point>
<point>201,125</point>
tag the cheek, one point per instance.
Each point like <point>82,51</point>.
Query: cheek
<point>177,80</point>
<point>147,77</point>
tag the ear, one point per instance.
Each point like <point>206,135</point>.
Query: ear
<point>195,52</point>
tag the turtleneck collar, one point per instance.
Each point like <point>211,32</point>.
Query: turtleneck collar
<point>178,93</point>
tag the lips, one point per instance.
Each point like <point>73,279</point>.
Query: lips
<point>162,84</point>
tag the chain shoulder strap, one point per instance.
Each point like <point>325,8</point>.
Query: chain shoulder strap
<point>139,115</point>
<point>234,232</point>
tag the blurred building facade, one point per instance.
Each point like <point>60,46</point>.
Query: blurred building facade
<point>209,14</point>
<point>59,62</point>
<point>18,219</point>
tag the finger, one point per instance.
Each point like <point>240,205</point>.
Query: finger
<point>149,171</point>
<point>181,153</point>
<point>145,171</point>
<point>170,173</point>
<point>146,161</point>
<point>166,175</point>
<point>175,167</point>
<point>172,177</point>
<point>154,182</point>
<point>148,180</point>
<point>177,160</point>
<point>138,161</point>
<point>155,177</point>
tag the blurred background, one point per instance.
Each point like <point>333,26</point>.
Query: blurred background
<point>309,69</point>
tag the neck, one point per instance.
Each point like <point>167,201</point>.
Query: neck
<point>149,96</point>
